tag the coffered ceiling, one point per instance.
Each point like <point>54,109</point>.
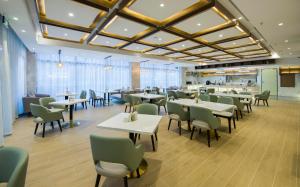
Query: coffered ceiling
<point>190,30</point>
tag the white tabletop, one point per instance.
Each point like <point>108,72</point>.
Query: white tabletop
<point>66,94</point>
<point>68,102</point>
<point>218,107</point>
<point>147,96</point>
<point>145,124</point>
<point>233,95</point>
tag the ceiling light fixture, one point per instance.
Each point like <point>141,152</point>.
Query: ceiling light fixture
<point>286,41</point>
<point>66,34</point>
<point>240,18</point>
<point>220,35</point>
<point>289,48</point>
<point>290,53</point>
<point>70,14</point>
<point>199,24</point>
<point>23,30</point>
<point>182,45</point>
<point>125,29</point>
<point>60,64</point>
<point>162,5</point>
<point>280,24</point>
<point>15,18</point>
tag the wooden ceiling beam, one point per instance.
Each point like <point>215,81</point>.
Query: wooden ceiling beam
<point>230,39</point>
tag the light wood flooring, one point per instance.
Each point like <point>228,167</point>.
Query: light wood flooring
<point>262,151</point>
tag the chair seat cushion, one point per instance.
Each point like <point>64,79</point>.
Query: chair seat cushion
<point>201,124</point>
<point>223,114</point>
<point>38,120</point>
<point>109,169</point>
<point>56,110</point>
<point>174,117</point>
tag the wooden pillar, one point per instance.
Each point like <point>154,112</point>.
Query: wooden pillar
<point>135,75</point>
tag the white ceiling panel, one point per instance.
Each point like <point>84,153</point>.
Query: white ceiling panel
<point>189,58</point>
<point>160,38</point>
<point>60,9</point>
<point>245,48</point>
<point>124,27</point>
<point>137,47</point>
<point>220,35</point>
<point>253,52</point>
<point>224,56</point>
<point>200,50</point>
<point>160,9</point>
<point>234,43</point>
<point>67,34</point>
<point>107,41</point>
<point>256,56</point>
<point>215,53</point>
<point>176,55</point>
<point>201,22</point>
<point>199,60</point>
<point>228,59</point>
<point>183,45</point>
<point>158,52</point>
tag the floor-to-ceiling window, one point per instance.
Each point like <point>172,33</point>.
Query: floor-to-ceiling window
<point>77,74</point>
<point>159,75</point>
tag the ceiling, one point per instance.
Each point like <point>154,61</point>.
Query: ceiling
<point>193,31</point>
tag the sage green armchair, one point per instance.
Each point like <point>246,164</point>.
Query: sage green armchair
<point>239,107</point>
<point>43,115</point>
<point>210,90</point>
<point>204,97</point>
<point>161,102</point>
<point>181,95</point>
<point>96,98</point>
<point>172,95</point>
<point>229,115</point>
<point>264,96</point>
<point>135,101</point>
<point>247,102</point>
<point>45,101</point>
<point>176,112</point>
<point>234,92</point>
<point>83,95</point>
<point>213,98</point>
<point>13,166</point>
<point>150,109</point>
<point>115,157</point>
<point>203,118</point>
<point>127,99</point>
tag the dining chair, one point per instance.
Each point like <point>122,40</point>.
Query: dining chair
<point>234,91</point>
<point>172,95</point>
<point>127,99</point>
<point>161,102</point>
<point>239,107</point>
<point>83,95</point>
<point>247,102</point>
<point>150,109</point>
<point>264,96</point>
<point>181,95</point>
<point>135,101</point>
<point>45,101</point>
<point>96,98</point>
<point>115,157</point>
<point>229,115</point>
<point>204,97</point>
<point>210,90</point>
<point>176,112</point>
<point>13,166</point>
<point>43,115</point>
<point>203,118</point>
<point>213,98</point>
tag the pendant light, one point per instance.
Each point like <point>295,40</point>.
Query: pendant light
<point>60,64</point>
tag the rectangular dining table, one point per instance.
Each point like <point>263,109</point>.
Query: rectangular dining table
<point>151,97</point>
<point>241,96</point>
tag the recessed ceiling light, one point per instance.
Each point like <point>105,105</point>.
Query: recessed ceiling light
<point>261,39</point>
<point>199,24</point>
<point>159,39</point>
<point>107,42</point>
<point>234,19</point>
<point>240,18</point>
<point>280,24</point>
<point>162,5</point>
<point>15,18</point>
<point>233,43</point>
<point>23,30</point>
<point>286,41</point>
<point>290,53</point>
<point>71,14</point>
<point>182,45</point>
<point>66,34</point>
<point>199,50</point>
<point>220,35</point>
<point>125,29</point>
<point>289,48</point>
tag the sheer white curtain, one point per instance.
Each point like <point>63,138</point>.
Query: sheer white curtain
<point>159,75</point>
<point>79,74</point>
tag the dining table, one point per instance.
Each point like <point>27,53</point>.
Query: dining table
<point>151,97</point>
<point>66,95</point>
<point>240,96</point>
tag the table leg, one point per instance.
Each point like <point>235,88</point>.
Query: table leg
<point>108,97</point>
<point>71,116</point>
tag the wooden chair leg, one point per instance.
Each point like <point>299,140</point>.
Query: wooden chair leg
<point>169,124</point>
<point>236,114</point>
<point>59,125</point>
<point>44,125</point>
<point>192,133</point>
<point>125,181</point>
<point>233,119</point>
<point>153,145</point>
<point>208,138</point>
<point>241,113</point>
<point>165,109</point>
<point>216,135</point>
<point>179,126</point>
<point>125,108</point>
<point>138,173</point>
<point>97,180</point>
<point>247,108</point>
<point>229,125</point>
<point>267,102</point>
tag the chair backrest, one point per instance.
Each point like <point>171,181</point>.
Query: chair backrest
<point>93,94</point>
<point>266,94</point>
<point>213,98</point>
<point>38,111</point>
<point>226,100</point>
<point>147,108</point>
<point>82,94</point>
<point>172,93</point>
<point>234,92</point>
<point>210,90</point>
<point>135,100</point>
<point>127,98</point>
<point>204,97</point>
<point>181,94</point>
<point>174,108</point>
<point>205,115</point>
<point>44,101</point>
<point>237,103</point>
<point>13,166</point>
<point>116,150</point>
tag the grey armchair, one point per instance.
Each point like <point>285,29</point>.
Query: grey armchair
<point>177,113</point>
<point>181,95</point>
<point>204,97</point>
<point>229,115</point>
<point>45,101</point>
<point>96,98</point>
<point>43,115</point>
<point>115,157</point>
<point>172,95</point>
<point>264,96</point>
<point>13,166</point>
<point>83,95</point>
<point>239,107</point>
<point>203,118</point>
<point>161,102</point>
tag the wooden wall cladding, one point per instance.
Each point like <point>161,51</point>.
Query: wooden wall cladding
<point>287,80</point>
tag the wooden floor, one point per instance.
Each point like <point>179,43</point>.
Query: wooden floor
<point>262,151</point>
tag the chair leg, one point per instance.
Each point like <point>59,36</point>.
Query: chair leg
<point>152,140</point>
<point>125,108</point>
<point>241,113</point>
<point>44,125</point>
<point>97,180</point>
<point>258,102</point>
<point>59,125</point>
<point>267,102</point>
<point>216,135</point>
<point>85,105</point>
<point>158,109</point>
<point>264,102</point>
<point>208,138</point>
<point>189,125</point>
<point>229,125</point>
<point>192,133</point>
<point>52,125</point>
<point>233,118</point>
<point>179,126</point>
<point>62,116</point>
<point>236,114</point>
<point>248,108</point>
<point>165,109</point>
<point>138,173</point>
<point>199,131</point>
<point>36,127</point>
<point>125,181</point>
<point>169,124</point>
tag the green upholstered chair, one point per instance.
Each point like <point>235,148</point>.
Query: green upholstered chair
<point>210,90</point>
<point>204,97</point>
<point>234,92</point>
<point>172,95</point>
<point>239,107</point>
<point>45,101</point>
<point>229,115</point>
<point>115,157</point>
<point>247,102</point>
<point>181,95</point>
<point>96,98</point>
<point>213,98</point>
<point>176,112</point>
<point>264,96</point>
<point>127,99</point>
<point>161,102</point>
<point>82,95</point>
<point>203,118</point>
<point>135,101</point>
<point>43,115</point>
<point>150,109</point>
<point>13,166</point>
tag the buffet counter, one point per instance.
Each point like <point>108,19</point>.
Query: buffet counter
<point>228,87</point>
